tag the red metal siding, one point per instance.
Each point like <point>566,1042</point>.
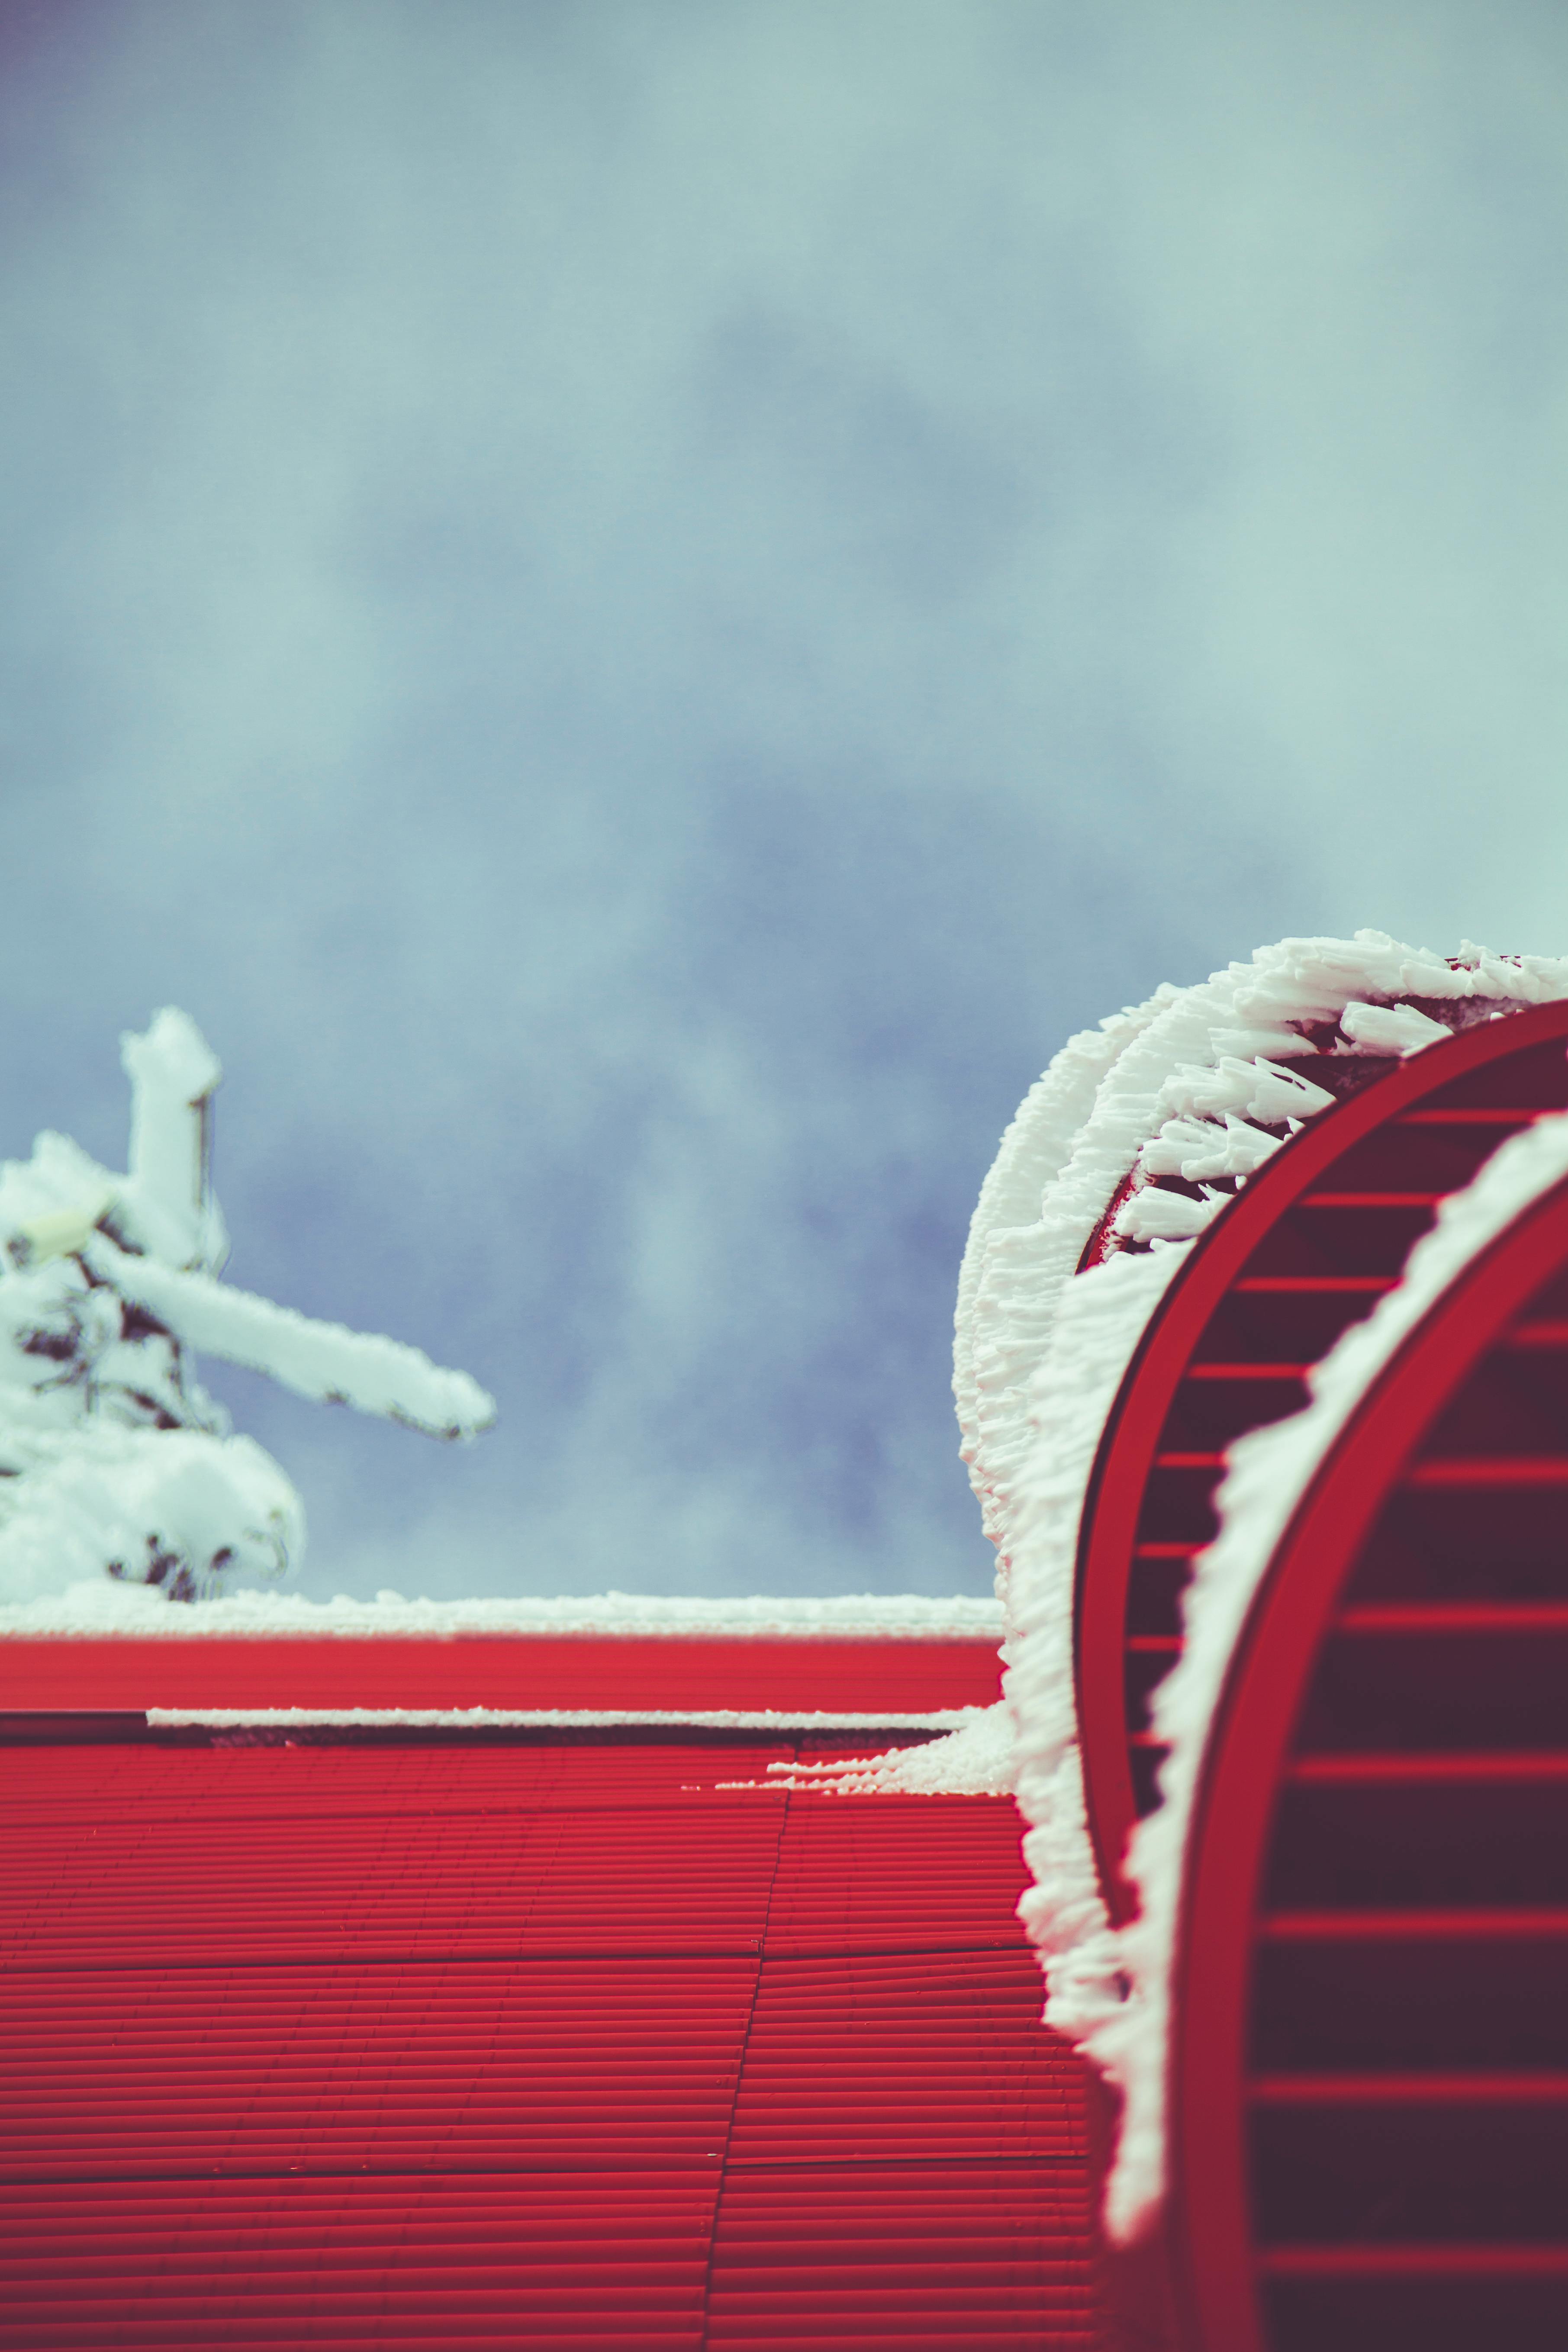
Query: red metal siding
<point>1368,2090</point>
<point>554,2042</point>
<point>1321,1233</point>
<point>519,1671</point>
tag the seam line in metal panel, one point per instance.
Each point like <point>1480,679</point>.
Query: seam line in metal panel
<point>510,1956</point>
<point>740,2063</point>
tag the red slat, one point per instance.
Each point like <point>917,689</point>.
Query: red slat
<point>502,1671</point>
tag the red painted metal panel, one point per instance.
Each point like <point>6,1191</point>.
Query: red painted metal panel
<point>1318,1233</point>
<point>501,2041</point>
<point>502,1671</point>
<point>896,2255</point>
<point>829,2062</point>
<point>264,1774</point>
<point>393,1888</point>
<point>1370,2073</point>
<point>862,1874</point>
<point>409,2259</point>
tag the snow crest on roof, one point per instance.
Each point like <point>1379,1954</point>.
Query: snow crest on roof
<point>1102,1315</point>
<point>1268,1474</point>
<point>95,1607</point>
<point>265,1720</point>
<point>1185,1085</point>
<point>977,1759</point>
<point>1080,1230</point>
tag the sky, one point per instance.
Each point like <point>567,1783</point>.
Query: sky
<point>641,605</point>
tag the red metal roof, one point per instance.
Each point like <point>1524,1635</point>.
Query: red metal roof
<point>389,2038</point>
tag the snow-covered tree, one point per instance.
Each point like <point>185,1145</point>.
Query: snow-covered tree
<point>113,1460</point>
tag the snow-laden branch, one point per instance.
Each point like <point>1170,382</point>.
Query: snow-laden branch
<point>320,1360</point>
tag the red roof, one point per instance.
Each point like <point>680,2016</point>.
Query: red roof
<point>515,2036</point>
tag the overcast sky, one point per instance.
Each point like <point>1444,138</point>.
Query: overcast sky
<point>640,605</point>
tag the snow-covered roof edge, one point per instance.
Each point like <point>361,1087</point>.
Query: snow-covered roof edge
<point>998,1333</point>
<point>975,1760</point>
<point>954,1719</point>
<point>101,1608</point>
<point>1172,1086</point>
<point>1103,1313</point>
<point>1270,1472</point>
<point>1181,1081</point>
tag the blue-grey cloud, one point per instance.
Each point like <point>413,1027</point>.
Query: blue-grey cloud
<point>640,609</point>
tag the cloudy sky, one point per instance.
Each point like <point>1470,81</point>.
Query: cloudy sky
<point>640,604</point>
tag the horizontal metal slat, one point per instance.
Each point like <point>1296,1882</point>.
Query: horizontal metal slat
<point>572,2266</point>
<point>1486,1470</point>
<point>1368,1201</point>
<point>1456,1766</point>
<point>1453,1617</point>
<point>1481,1117</point>
<point>959,2297</point>
<point>1416,1926</point>
<point>731,2323</point>
<point>1533,2089</point>
<point>1314,1286</point>
<point>427,2320</point>
<point>1419,2261</point>
<point>1546,1333</point>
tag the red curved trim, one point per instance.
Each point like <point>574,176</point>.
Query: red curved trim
<point>1128,1446</point>
<point>1209,2227</point>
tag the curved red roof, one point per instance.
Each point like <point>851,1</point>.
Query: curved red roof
<point>1321,1232</point>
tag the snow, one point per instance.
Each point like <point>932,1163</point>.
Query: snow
<point>132,1500</point>
<point>320,1361</point>
<point>166,1198</point>
<point>1188,1085</point>
<point>1268,1474</point>
<point>95,1607</point>
<point>113,1461</point>
<point>1390,1028</point>
<point>1192,1075</point>
<point>481,1719</point>
<point>1015,1259</point>
<point>1102,1315</point>
<point>975,1760</point>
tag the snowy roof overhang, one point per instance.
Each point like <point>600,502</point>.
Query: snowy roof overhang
<point>845,1663</point>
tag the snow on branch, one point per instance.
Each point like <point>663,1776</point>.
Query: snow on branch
<point>320,1361</point>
